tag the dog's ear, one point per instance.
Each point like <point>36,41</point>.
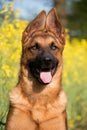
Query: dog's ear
<point>37,24</point>
<point>53,24</point>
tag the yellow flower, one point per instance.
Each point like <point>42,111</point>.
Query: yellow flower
<point>15,57</point>
<point>71,124</point>
<point>78,118</point>
<point>7,70</point>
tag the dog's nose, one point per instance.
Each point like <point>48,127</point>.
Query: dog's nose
<point>47,60</point>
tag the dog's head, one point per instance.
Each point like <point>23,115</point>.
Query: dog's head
<point>43,42</point>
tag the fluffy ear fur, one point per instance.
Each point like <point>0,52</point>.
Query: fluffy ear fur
<point>37,24</point>
<point>53,24</point>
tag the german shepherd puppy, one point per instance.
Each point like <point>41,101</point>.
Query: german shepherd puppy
<point>38,101</point>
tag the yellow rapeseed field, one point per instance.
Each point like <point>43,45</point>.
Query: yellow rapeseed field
<point>74,72</point>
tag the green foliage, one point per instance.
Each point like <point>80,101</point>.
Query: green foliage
<point>77,20</point>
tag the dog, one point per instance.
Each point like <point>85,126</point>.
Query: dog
<point>38,101</point>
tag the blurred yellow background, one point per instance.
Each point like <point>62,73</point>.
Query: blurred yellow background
<point>74,72</point>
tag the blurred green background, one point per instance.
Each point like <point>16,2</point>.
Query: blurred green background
<point>14,16</point>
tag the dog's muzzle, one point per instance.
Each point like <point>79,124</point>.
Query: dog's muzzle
<point>43,67</point>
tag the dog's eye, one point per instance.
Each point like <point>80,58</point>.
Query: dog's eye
<point>35,47</point>
<point>53,46</point>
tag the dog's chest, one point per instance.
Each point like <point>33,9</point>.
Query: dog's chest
<point>45,111</point>
<point>41,109</point>
<point>42,113</point>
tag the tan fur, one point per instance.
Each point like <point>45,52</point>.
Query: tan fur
<point>33,106</point>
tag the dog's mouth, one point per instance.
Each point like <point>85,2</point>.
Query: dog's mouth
<point>45,75</point>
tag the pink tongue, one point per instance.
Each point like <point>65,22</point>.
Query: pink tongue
<point>46,77</point>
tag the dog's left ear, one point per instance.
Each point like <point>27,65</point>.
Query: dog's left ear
<point>53,24</point>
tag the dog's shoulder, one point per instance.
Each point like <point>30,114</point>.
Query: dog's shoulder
<point>18,100</point>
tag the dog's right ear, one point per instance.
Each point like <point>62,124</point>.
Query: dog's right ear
<point>36,25</point>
